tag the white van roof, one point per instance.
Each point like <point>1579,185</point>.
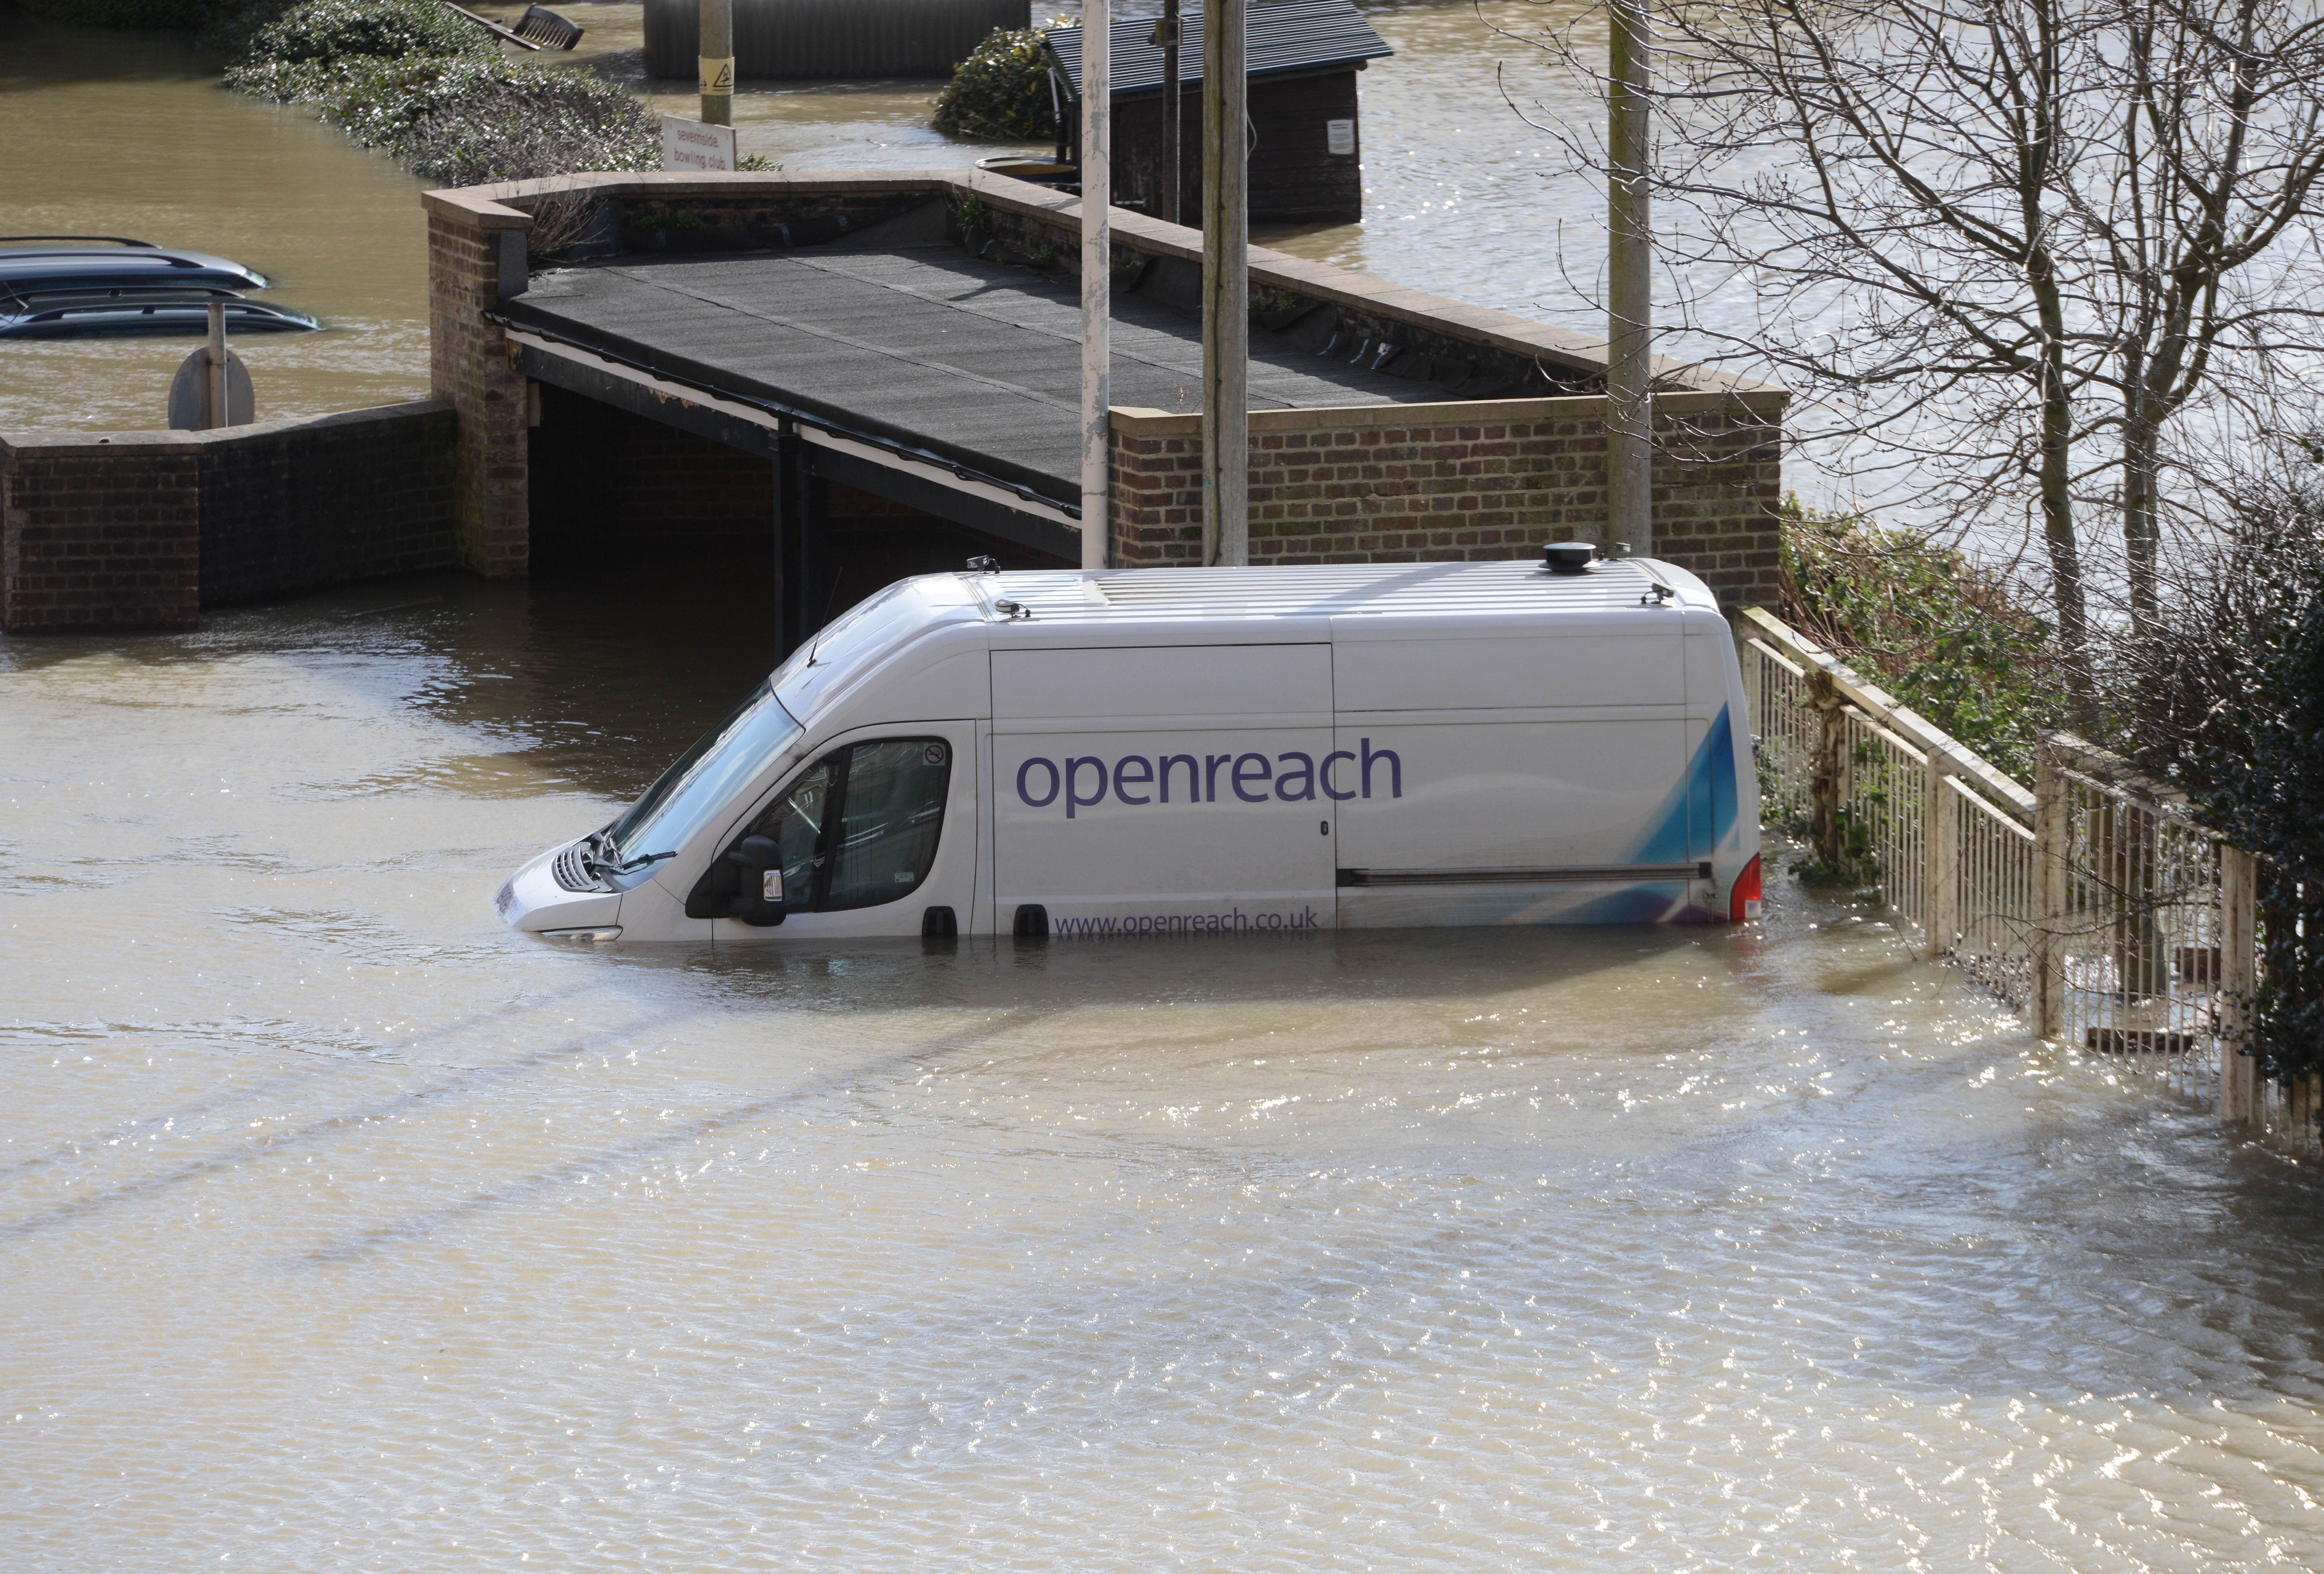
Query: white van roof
<point>1500,590</point>
<point>947,616</point>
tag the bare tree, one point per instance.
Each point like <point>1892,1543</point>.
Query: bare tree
<point>2009,241</point>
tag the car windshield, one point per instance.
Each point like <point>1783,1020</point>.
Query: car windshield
<point>706,778</point>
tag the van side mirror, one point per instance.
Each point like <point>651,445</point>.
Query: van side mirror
<point>757,865</point>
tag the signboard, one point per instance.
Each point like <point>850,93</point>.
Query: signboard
<point>1340,137</point>
<point>690,144</point>
<point>190,394</point>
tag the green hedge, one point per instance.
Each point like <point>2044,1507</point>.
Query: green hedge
<point>433,90</point>
<point>1947,638</point>
<point>1000,90</point>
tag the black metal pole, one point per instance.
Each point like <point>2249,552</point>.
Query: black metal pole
<point>1171,210</point>
<point>791,518</point>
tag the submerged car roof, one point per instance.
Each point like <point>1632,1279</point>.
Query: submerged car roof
<point>44,263</point>
<point>1520,589</point>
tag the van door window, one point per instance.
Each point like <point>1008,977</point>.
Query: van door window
<point>890,810</point>
<point>860,826</point>
<point>796,822</point>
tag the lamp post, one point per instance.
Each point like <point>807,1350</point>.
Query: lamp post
<point>1166,34</point>
<point>1097,293</point>
<point>1226,286</point>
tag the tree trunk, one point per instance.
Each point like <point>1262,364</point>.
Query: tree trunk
<point>2058,535</point>
<point>2142,530</point>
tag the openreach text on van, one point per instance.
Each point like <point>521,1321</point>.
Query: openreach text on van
<point>1244,773</point>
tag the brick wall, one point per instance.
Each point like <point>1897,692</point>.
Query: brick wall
<point>470,367</point>
<point>126,530</point>
<point>295,505</point>
<point>1462,481</point>
<point>99,532</point>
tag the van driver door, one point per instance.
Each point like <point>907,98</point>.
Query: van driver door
<point>877,829</point>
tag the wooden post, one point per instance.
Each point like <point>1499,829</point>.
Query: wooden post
<point>717,62</point>
<point>1097,276</point>
<point>1941,871</point>
<point>1174,209</point>
<point>1226,286</point>
<point>1827,788</point>
<point>2238,975</point>
<point>1629,283</point>
<point>2050,850</point>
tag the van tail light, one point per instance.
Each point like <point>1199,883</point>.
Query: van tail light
<point>1743,901</point>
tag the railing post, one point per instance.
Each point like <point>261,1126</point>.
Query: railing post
<point>2238,954</point>
<point>2050,854</point>
<point>1827,791</point>
<point>1941,872</point>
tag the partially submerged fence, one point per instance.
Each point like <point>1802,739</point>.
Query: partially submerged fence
<point>2095,903</point>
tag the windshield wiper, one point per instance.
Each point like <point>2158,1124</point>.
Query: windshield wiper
<point>595,864</point>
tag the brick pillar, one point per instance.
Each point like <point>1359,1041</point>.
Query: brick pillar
<point>99,533</point>
<point>470,363</point>
<point>1719,492</point>
<point>1157,492</point>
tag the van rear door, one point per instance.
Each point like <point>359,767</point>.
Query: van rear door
<point>1531,772</point>
<point>1163,789</point>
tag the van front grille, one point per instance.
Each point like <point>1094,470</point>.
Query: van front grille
<point>572,873</point>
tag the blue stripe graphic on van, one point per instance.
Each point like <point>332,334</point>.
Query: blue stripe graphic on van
<point>1700,809</point>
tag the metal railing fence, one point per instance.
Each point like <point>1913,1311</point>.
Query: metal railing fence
<point>2095,902</point>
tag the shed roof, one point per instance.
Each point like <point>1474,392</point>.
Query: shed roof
<point>1285,37</point>
<point>974,361</point>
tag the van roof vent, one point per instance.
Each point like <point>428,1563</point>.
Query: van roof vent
<point>1569,557</point>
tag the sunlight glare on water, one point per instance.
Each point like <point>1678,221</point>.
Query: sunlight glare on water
<point>343,1230</point>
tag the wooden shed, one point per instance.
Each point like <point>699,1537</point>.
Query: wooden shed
<point>1307,155</point>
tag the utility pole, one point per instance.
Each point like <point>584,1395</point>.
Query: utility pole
<point>1629,283</point>
<point>1226,286</point>
<point>1097,279</point>
<point>717,62</point>
<point>1166,34</point>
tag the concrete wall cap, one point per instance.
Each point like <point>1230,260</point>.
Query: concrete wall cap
<point>1133,420</point>
<point>484,208</point>
<point>165,442</point>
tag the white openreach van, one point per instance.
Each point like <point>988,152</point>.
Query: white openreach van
<point>1212,751</point>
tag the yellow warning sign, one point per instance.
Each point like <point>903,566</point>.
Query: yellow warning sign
<point>717,78</point>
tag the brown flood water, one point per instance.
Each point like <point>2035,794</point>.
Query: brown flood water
<point>342,1228</point>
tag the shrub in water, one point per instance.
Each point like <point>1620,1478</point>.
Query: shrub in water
<point>1000,90</point>
<point>433,90</point>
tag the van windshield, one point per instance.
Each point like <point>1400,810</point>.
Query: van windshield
<point>706,778</point>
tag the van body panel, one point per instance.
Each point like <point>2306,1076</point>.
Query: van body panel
<point>1550,795</point>
<point>1608,901</point>
<point>1604,661</point>
<point>1191,685</point>
<point>655,912</point>
<point>532,901</point>
<point>1194,799</point>
<point>1249,750</point>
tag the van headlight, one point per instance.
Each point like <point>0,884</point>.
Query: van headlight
<point>597,936</point>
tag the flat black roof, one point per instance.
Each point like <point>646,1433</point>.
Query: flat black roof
<point>973,360</point>
<point>1283,37</point>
